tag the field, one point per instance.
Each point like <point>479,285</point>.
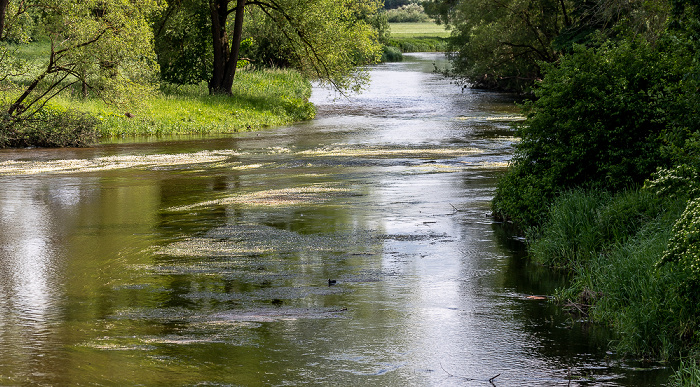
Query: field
<point>418,30</point>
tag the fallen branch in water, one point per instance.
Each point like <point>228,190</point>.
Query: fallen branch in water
<point>465,378</point>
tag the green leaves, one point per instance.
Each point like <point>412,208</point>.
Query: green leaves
<point>684,246</point>
<point>600,120</point>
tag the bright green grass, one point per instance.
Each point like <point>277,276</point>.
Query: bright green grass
<point>260,99</point>
<point>415,30</point>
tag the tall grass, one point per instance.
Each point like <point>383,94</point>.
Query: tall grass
<point>581,223</point>
<point>612,244</point>
<point>687,374</point>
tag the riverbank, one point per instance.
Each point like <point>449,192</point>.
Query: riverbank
<point>260,99</point>
<point>418,37</point>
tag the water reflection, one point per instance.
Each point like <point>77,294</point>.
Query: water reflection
<point>207,261</point>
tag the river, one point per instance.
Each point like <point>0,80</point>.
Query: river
<point>354,249</point>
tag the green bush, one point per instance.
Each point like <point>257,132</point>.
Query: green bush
<point>684,246</point>
<point>419,44</point>
<point>391,54</point>
<point>599,120</point>
<point>51,128</point>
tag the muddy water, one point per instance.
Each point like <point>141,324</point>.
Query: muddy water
<point>356,249</point>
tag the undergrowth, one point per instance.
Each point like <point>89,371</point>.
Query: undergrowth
<point>613,244</point>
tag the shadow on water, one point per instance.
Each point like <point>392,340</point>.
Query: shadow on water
<point>354,249</point>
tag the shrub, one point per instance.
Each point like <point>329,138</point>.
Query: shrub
<point>684,246</point>
<point>681,181</point>
<point>392,54</point>
<point>419,44</point>
<point>51,128</point>
<point>599,121</point>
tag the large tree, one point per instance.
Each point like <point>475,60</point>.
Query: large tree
<point>105,46</point>
<point>324,39</point>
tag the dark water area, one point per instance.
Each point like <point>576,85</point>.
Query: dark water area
<point>355,249</point>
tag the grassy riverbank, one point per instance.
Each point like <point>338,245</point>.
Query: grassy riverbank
<point>260,99</point>
<point>418,37</point>
<point>606,181</point>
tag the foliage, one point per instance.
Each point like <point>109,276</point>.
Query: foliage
<point>325,40</point>
<point>103,46</point>
<point>409,13</point>
<point>52,127</point>
<point>611,243</point>
<point>392,54</point>
<point>684,246</point>
<point>503,44</point>
<point>391,4</point>
<point>600,120</point>
<point>183,43</point>
<point>20,21</point>
<point>681,181</point>
<point>500,45</point>
<point>419,44</point>
<point>687,374</point>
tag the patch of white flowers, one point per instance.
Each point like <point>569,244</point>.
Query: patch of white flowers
<point>684,246</point>
<point>682,180</point>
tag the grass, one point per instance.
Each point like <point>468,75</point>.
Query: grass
<point>687,374</point>
<point>418,37</point>
<point>612,244</point>
<point>418,30</point>
<point>260,99</point>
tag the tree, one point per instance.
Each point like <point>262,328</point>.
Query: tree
<point>324,39</point>
<point>3,13</point>
<point>603,119</point>
<point>502,44</point>
<point>103,45</point>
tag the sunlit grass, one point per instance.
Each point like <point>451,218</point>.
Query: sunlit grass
<point>416,30</point>
<point>260,99</point>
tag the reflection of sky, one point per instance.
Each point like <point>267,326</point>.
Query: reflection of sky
<point>29,281</point>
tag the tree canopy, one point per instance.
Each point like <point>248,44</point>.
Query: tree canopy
<point>503,44</point>
<point>104,46</point>
<point>325,39</point>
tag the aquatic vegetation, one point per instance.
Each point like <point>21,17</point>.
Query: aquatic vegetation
<point>59,166</point>
<point>293,196</point>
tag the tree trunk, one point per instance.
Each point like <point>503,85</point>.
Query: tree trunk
<point>225,56</point>
<point>3,12</point>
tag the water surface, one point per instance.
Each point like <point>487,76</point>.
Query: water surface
<point>355,249</point>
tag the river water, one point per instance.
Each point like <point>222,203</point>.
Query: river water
<point>355,249</point>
